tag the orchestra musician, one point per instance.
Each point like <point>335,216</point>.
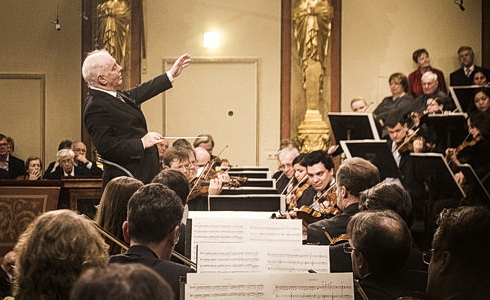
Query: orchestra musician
<point>285,158</point>
<point>299,184</point>
<point>401,145</point>
<point>320,170</point>
<point>476,151</point>
<point>353,176</point>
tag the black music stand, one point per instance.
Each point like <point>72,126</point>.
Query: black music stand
<point>463,96</point>
<point>377,152</point>
<point>451,129</point>
<point>477,193</point>
<point>439,182</point>
<point>353,126</point>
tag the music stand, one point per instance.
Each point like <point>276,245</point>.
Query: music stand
<point>463,96</point>
<point>353,126</point>
<point>478,190</point>
<point>450,129</point>
<point>377,152</point>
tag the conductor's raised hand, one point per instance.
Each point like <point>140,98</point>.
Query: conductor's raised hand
<point>180,64</point>
<point>151,138</point>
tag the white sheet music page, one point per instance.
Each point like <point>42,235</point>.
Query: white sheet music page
<point>236,230</point>
<point>223,286</point>
<point>262,258</point>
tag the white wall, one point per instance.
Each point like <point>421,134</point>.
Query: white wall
<point>379,37</point>
<point>31,45</point>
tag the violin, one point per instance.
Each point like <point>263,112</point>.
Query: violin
<point>407,145</point>
<point>309,215</point>
<point>464,145</point>
<point>296,192</point>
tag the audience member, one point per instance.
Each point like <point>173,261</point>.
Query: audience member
<point>459,260</point>
<point>463,76</point>
<point>380,244</point>
<point>52,253</point>
<point>7,274</point>
<point>11,145</point>
<point>123,282</point>
<point>285,159</point>
<point>152,226</point>
<point>66,167</point>
<point>421,58</point>
<point>81,160</point>
<point>353,176</point>
<point>205,141</point>
<point>34,169</point>
<point>65,144</point>
<point>399,101</point>
<point>11,167</point>
<point>112,209</point>
<point>430,90</point>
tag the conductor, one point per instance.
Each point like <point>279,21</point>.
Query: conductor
<point>115,121</point>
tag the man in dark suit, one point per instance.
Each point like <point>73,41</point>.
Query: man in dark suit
<point>115,121</point>
<point>463,76</point>
<point>11,167</point>
<point>353,176</point>
<point>66,166</point>
<point>152,226</point>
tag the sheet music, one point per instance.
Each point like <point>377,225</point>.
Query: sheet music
<point>262,258</point>
<point>269,286</point>
<point>223,230</point>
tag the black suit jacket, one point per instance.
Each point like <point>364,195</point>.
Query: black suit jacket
<point>335,226</point>
<point>16,168</point>
<point>116,129</point>
<point>458,78</point>
<point>169,270</point>
<point>58,173</point>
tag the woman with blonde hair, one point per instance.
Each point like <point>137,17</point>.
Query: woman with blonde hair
<point>52,253</point>
<point>113,208</point>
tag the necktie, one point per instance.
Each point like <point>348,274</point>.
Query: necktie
<point>468,72</point>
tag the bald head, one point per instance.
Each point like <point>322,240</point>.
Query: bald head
<point>202,156</point>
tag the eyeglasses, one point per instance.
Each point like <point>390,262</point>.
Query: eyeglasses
<point>3,145</point>
<point>427,256</point>
<point>285,166</point>
<point>347,248</point>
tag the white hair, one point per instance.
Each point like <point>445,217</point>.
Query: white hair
<point>287,152</point>
<point>63,153</point>
<point>429,76</point>
<point>94,65</point>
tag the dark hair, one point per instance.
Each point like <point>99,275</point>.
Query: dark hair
<point>31,158</point>
<point>176,181</point>
<point>182,143</point>
<point>2,136</point>
<point>175,153</point>
<point>401,79</point>
<point>153,212</point>
<point>319,156</point>
<point>472,106</point>
<point>480,70</point>
<point>121,281</point>
<point>300,159</point>
<point>382,237</point>
<point>464,48</point>
<point>384,196</point>
<point>395,118</point>
<point>481,120</point>
<point>464,233</point>
<point>112,210</point>
<point>65,144</point>
<point>356,175</point>
<point>417,53</point>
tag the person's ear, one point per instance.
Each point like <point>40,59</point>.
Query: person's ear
<point>175,236</point>
<point>101,80</point>
<point>125,229</point>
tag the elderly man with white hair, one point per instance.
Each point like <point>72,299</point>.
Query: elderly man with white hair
<point>114,118</point>
<point>430,88</point>
<point>66,166</point>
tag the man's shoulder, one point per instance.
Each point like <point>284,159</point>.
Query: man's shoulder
<point>456,72</point>
<point>15,159</point>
